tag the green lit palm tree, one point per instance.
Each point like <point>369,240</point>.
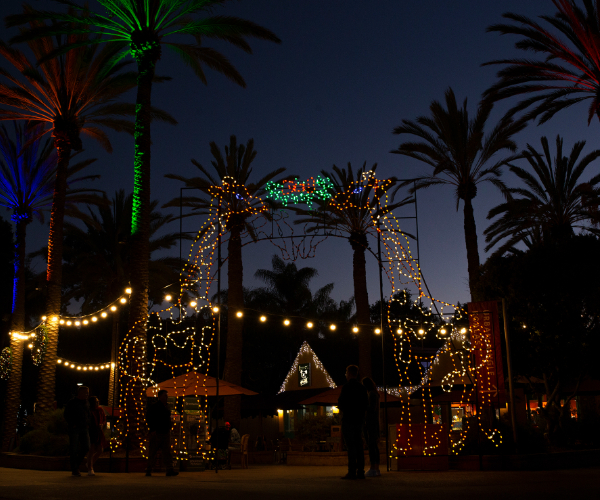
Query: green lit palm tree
<point>354,220</point>
<point>461,156</point>
<point>71,95</point>
<point>554,202</point>
<point>233,172</point>
<point>27,172</point>
<point>566,69</point>
<point>142,28</point>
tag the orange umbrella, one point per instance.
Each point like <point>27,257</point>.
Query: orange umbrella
<point>197,384</point>
<point>331,397</point>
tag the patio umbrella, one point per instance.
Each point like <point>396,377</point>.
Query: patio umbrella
<point>331,397</point>
<point>197,384</point>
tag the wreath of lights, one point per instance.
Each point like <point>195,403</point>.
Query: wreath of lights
<point>295,192</point>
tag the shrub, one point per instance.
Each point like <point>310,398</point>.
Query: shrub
<point>51,440</point>
<point>57,423</point>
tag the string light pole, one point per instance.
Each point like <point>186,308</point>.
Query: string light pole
<point>219,264</point>
<point>383,330</point>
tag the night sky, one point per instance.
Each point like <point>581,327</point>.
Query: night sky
<point>347,72</point>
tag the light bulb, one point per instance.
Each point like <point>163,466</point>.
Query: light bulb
<point>128,290</point>
<point>215,309</point>
<point>377,331</point>
<point>355,329</point>
<point>239,314</point>
<point>77,323</point>
<point>59,361</point>
<point>62,321</point>
<point>308,325</point>
<point>113,308</point>
<point>399,331</point>
<point>263,318</point>
<point>443,331</point>
<point>421,331</point>
<point>332,327</point>
<point>69,323</point>
<point>193,303</point>
<point>94,319</point>
<point>85,321</point>
<point>103,314</point>
<point>168,298</point>
<point>123,300</point>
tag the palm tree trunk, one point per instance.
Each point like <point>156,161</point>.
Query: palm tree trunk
<point>133,383</point>
<point>472,248</point>
<point>113,382</point>
<point>47,373</point>
<point>17,324</point>
<point>235,302</point>
<point>363,314</point>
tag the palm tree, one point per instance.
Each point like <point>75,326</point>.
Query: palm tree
<point>141,28</point>
<point>69,95</point>
<point>566,70</point>
<point>27,172</point>
<point>271,347</point>
<point>352,212</point>
<point>98,261</point>
<point>459,152</point>
<point>553,203</point>
<point>238,201</point>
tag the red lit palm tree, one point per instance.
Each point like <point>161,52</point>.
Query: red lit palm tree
<point>566,70</point>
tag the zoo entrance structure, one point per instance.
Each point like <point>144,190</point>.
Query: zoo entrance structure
<point>466,360</point>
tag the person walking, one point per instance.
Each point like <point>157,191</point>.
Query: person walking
<point>372,426</point>
<point>96,431</point>
<point>353,402</point>
<point>77,415</point>
<point>159,426</point>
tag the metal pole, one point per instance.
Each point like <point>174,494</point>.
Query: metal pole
<point>218,323</point>
<point>510,379</point>
<point>114,368</point>
<point>180,236</point>
<point>387,462</point>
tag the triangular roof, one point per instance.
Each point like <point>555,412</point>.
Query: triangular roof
<point>317,376</point>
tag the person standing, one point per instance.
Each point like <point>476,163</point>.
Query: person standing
<point>353,404</point>
<point>77,415</point>
<point>372,427</point>
<point>97,439</point>
<point>159,426</point>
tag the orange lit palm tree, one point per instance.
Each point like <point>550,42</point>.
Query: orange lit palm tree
<point>70,95</point>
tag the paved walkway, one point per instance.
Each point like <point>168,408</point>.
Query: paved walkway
<point>309,483</point>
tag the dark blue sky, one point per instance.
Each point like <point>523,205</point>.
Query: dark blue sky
<point>347,73</point>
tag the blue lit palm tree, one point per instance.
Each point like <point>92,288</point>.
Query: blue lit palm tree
<point>27,173</point>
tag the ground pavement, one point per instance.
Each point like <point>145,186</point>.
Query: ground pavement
<point>309,483</point>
